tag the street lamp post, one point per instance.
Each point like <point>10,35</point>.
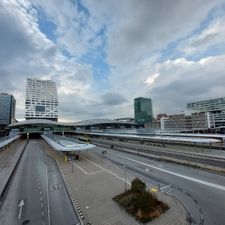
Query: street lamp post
<point>125,177</point>
<point>72,166</point>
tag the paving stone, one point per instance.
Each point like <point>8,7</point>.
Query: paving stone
<point>94,192</point>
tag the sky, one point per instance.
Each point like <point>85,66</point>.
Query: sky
<point>104,53</point>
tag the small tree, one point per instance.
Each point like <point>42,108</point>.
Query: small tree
<point>138,185</point>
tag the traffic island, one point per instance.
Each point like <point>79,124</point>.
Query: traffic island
<point>143,205</point>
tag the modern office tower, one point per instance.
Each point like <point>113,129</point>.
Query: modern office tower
<point>41,100</point>
<point>143,110</point>
<point>7,109</point>
<point>213,108</point>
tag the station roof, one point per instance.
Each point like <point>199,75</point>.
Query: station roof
<point>35,121</point>
<point>100,121</point>
<point>76,124</point>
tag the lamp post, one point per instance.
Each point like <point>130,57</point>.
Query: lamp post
<point>125,178</point>
<point>72,166</point>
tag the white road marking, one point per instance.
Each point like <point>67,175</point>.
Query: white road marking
<point>108,171</point>
<point>21,204</point>
<point>92,173</point>
<point>206,183</point>
<point>169,191</point>
<point>93,163</point>
<point>46,171</point>
<point>96,172</point>
<point>165,187</point>
<point>85,172</point>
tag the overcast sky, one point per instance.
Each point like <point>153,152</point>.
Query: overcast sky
<point>104,53</point>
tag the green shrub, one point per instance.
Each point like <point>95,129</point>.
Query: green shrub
<point>138,186</point>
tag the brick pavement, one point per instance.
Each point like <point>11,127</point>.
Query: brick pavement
<point>92,185</point>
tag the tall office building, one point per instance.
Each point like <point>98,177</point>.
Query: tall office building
<point>143,110</point>
<point>7,109</point>
<point>214,110</point>
<point>41,100</point>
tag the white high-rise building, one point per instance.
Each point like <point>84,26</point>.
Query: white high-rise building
<point>41,100</point>
<point>215,109</point>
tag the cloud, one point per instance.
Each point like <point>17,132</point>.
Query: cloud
<point>213,34</point>
<point>152,79</point>
<point>113,99</point>
<point>143,29</point>
<point>76,29</point>
<point>130,37</point>
<point>27,52</point>
<point>182,81</point>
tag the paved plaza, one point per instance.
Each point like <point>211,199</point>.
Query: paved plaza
<point>93,182</point>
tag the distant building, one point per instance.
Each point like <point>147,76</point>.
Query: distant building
<point>201,120</point>
<point>174,122</point>
<point>214,110</point>
<point>41,100</point>
<point>7,109</point>
<point>154,125</point>
<point>159,116</point>
<point>143,110</point>
<point>195,121</point>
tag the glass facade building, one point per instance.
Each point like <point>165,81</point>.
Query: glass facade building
<point>7,109</point>
<point>143,110</point>
<point>41,100</point>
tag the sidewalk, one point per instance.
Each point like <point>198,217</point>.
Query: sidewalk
<point>92,185</point>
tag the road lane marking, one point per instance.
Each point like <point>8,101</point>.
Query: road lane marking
<point>96,172</point>
<point>93,163</point>
<point>165,187</point>
<point>170,191</point>
<point>108,171</point>
<point>46,171</point>
<point>206,183</point>
<point>21,204</point>
<point>85,172</point>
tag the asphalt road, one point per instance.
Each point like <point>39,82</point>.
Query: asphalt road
<point>163,152</point>
<point>37,194</point>
<point>202,193</point>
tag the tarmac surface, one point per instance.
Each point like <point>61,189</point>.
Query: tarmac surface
<point>37,193</point>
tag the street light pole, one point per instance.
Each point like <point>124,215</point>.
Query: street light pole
<point>72,166</point>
